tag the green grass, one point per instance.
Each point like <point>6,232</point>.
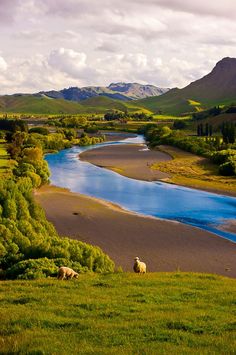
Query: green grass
<point>191,170</point>
<point>170,118</point>
<point>182,102</point>
<point>157,313</point>
<point>29,104</point>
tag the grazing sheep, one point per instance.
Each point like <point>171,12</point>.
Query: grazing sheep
<point>139,266</point>
<point>66,273</point>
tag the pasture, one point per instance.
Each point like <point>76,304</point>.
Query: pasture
<point>179,313</point>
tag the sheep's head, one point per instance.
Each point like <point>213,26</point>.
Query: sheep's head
<point>76,275</point>
<point>136,259</point>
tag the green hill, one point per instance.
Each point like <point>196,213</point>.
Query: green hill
<point>156,313</point>
<point>101,104</point>
<point>216,88</point>
<point>37,105</point>
<point>41,104</point>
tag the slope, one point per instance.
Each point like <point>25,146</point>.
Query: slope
<point>216,88</point>
<point>40,104</point>
<point>122,313</point>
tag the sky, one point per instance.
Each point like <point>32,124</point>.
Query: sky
<point>53,44</point>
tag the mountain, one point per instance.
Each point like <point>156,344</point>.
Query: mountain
<point>216,88</point>
<point>41,104</point>
<point>119,91</point>
<point>137,91</point>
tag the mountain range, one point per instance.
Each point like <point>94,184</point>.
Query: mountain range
<point>216,88</point>
<point>118,91</point>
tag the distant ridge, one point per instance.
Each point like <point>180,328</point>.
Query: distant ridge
<point>118,91</point>
<point>217,87</point>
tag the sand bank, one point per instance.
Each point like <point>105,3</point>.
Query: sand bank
<point>134,160</point>
<point>164,245</point>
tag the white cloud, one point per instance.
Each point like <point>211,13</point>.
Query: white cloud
<point>67,61</point>
<point>3,64</point>
<point>48,44</point>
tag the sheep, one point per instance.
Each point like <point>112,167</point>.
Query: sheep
<point>66,273</point>
<point>139,266</point>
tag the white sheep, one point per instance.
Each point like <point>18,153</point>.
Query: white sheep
<point>139,266</point>
<point>66,273</point>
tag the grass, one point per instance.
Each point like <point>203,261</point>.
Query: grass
<point>184,101</point>
<point>191,170</point>
<point>28,104</point>
<point>157,313</point>
<point>170,118</point>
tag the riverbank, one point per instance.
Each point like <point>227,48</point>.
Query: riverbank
<point>134,161</point>
<point>168,164</point>
<point>164,245</point>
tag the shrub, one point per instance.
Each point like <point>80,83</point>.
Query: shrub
<point>228,168</point>
<point>222,156</point>
<point>27,238</point>
<point>40,130</point>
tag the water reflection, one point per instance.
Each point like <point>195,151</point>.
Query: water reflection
<point>198,208</point>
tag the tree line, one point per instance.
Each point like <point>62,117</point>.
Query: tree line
<point>29,245</point>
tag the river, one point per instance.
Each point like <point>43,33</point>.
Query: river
<point>195,207</point>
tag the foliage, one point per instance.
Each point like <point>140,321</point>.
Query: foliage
<point>119,115</point>
<point>214,111</point>
<point>13,125</point>
<point>228,132</point>
<point>207,147</point>
<point>73,122</point>
<point>231,109</point>
<point>86,140</point>
<point>180,124</point>
<point>26,234</point>
<point>40,130</point>
<point>222,156</point>
<point>229,167</point>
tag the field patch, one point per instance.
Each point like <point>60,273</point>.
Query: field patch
<point>119,313</point>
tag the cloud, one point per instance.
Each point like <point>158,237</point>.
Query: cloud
<point>224,8</point>
<point>3,65</point>
<point>67,60</point>
<point>51,44</point>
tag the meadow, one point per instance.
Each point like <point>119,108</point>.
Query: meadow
<point>194,171</point>
<point>119,313</point>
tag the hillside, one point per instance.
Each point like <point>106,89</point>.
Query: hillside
<point>120,91</point>
<point>156,313</point>
<point>216,121</point>
<point>43,105</point>
<point>216,88</point>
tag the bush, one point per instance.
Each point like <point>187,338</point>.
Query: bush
<point>27,238</point>
<point>228,168</point>
<point>40,130</point>
<point>222,156</point>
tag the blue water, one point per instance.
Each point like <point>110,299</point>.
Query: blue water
<point>201,209</point>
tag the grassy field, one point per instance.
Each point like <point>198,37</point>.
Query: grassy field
<point>156,313</point>
<point>170,118</point>
<point>4,158</point>
<point>182,101</point>
<point>28,104</point>
<point>191,170</point>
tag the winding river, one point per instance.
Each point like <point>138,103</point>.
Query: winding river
<point>198,208</point>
